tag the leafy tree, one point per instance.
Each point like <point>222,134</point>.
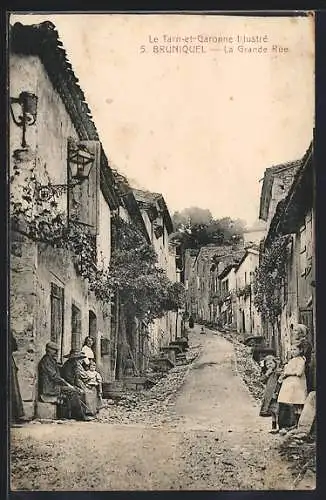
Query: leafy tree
<point>144,289</point>
<point>195,227</point>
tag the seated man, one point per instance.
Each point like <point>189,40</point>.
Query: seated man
<point>52,387</point>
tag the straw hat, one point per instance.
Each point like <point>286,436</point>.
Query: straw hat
<point>75,354</point>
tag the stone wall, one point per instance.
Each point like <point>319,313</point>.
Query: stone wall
<point>34,267</point>
<point>22,315</point>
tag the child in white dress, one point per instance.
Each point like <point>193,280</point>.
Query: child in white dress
<point>94,378</point>
<point>293,379</point>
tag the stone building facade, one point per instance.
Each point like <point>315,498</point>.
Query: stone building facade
<point>202,278</point>
<point>227,299</point>
<point>278,183</point>
<point>295,218</point>
<point>159,227</point>
<point>248,318</point>
<point>50,299</point>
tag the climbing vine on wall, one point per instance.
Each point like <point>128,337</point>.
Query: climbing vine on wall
<point>144,289</point>
<point>269,279</point>
<point>44,221</point>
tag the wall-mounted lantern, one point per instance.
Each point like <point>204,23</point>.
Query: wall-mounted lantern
<point>24,111</point>
<point>80,162</point>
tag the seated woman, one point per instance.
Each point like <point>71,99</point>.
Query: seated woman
<point>74,373</point>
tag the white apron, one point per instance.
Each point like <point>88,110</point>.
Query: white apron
<point>294,386</point>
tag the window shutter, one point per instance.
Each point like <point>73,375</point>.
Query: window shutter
<point>57,313</point>
<point>303,251</point>
<point>75,327</point>
<point>84,198</point>
<point>309,235</point>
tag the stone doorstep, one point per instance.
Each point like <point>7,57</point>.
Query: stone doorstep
<point>179,342</point>
<point>163,361</point>
<point>172,347</point>
<point>182,345</point>
<point>135,383</point>
<point>46,411</point>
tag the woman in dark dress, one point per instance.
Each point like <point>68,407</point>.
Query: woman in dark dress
<point>17,409</point>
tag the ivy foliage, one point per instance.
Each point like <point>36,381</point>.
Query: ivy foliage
<point>144,289</point>
<point>269,280</point>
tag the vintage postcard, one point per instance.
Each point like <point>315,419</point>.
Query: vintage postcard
<point>162,251</point>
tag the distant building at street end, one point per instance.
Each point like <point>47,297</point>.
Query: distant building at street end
<point>202,268</point>
<point>227,314</point>
<point>248,318</point>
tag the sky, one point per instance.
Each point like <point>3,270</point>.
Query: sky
<point>201,127</point>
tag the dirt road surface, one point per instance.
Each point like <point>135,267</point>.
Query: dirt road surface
<point>207,436</point>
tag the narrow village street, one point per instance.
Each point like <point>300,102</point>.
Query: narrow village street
<point>162,330</point>
<point>207,435</point>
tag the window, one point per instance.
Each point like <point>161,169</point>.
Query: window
<point>57,313</point>
<point>75,327</point>
<point>92,325</point>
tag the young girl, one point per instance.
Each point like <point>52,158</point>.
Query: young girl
<point>87,349</point>
<point>293,390</point>
<point>270,376</point>
<point>94,379</point>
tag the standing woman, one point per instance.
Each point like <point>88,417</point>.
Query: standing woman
<point>17,409</point>
<point>300,339</point>
<point>87,349</point>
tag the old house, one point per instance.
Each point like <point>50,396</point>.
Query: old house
<point>128,334</point>
<point>203,283</point>
<point>293,222</point>
<point>248,318</point>
<point>62,196</point>
<point>189,282</point>
<point>227,297</point>
<point>159,226</point>
<point>276,184</point>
